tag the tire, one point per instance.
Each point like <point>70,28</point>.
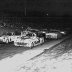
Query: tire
<point>43,40</point>
<point>7,41</point>
<point>10,40</point>
<point>32,45</point>
<point>15,44</point>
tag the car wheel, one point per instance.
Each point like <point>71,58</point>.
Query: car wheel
<point>43,40</point>
<point>7,41</point>
<point>32,45</point>
<point>10,40</point>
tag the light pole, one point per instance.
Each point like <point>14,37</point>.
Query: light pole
<point>25,7</point>
<point>25,11</point>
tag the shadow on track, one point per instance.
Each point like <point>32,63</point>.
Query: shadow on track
<point>9,50</point>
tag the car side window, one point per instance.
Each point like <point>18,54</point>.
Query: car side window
<point>9,34</point>
<point>29,35</point>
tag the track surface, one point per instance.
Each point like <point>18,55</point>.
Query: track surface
<point>9,50</point>
<point>12,57</point>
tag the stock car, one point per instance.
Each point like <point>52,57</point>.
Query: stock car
<point>50,34</point>
<point>63,32</point>
<point>30,40</point>
<point>53,35</point>
<point>4,39</point>
<point>9,37</point>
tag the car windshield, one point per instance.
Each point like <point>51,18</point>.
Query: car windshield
<point>29,35</point>
<point>9,34</point>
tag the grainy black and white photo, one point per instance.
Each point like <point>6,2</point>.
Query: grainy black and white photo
<point>35,35</point>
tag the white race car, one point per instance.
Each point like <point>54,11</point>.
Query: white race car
<point>5,39</point>
<point>8,38</point>
<point>30,40</point>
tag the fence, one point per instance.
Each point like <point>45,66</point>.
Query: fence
<point>12,19</point>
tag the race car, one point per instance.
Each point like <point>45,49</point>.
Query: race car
<point>53,35</point>
<point>63,32</point>
<point>30,40</point>
<point>9,37</point>
<point>4,39</point>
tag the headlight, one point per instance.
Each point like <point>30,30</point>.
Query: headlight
<point>43,32</point>
<point>62,32</point>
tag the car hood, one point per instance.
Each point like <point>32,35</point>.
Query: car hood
<point>25,39</point>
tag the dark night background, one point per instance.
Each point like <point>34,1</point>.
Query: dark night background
<point>54,7</point>
<point>59,12</point>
